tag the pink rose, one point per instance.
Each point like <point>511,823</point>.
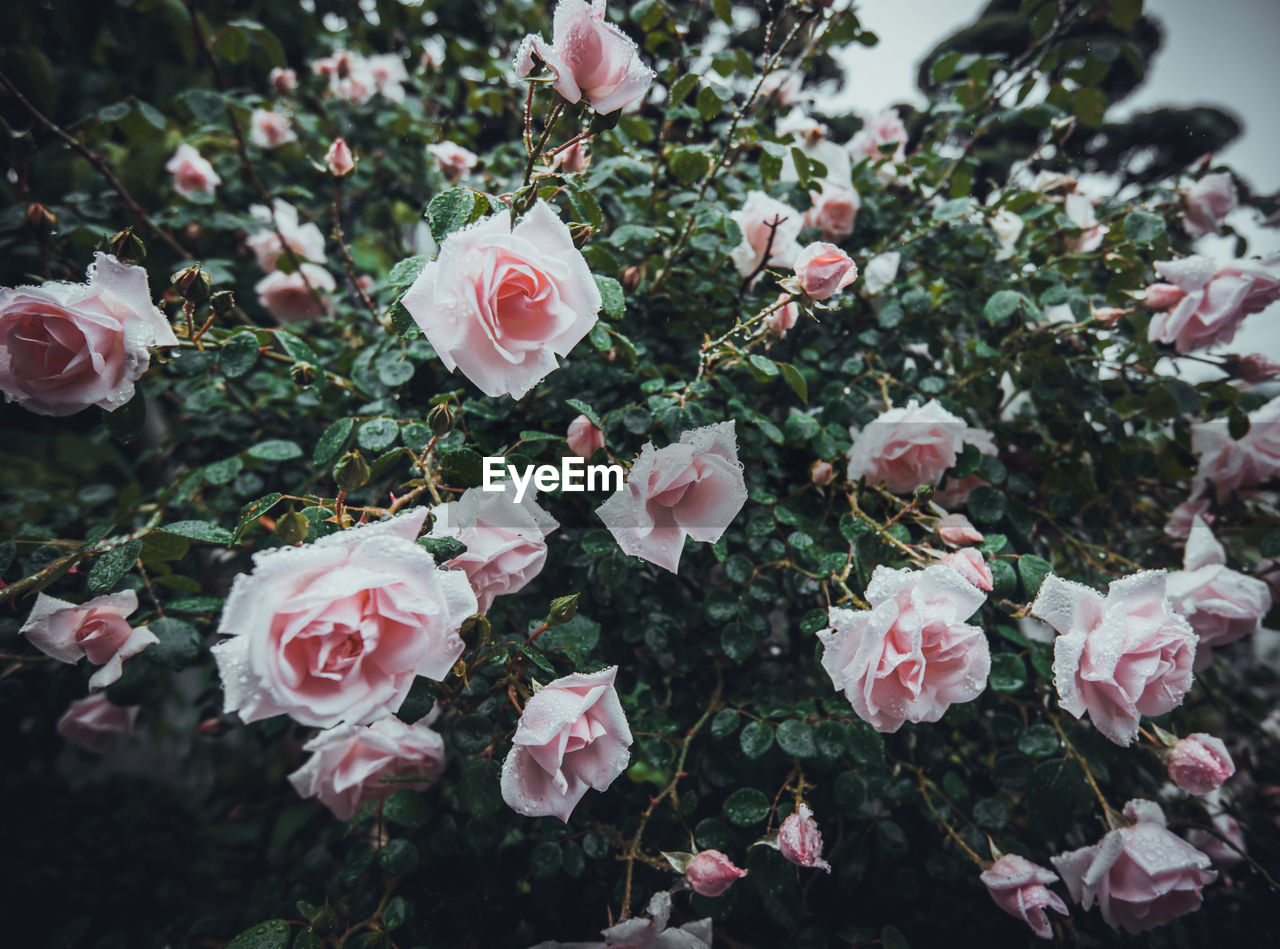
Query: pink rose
<point>1182,517</point>
<point>907,447</point>
<point>969,563</point>
<point>1220,604</point>
<point>834,210</point>
<point>1140,876</point>
<point>693,488</point>
<point>336,630</point>
<point>1162,296</point>
<point>784,317</point>
<point>572,736</point>
<point>1117,657</point>
<point>1229,464</point>
<point>192,174</point>
<point>506,542</point>
<point>800,841</point>
<point>768,227</point>
<point>501,303</point>
<point>821,473</point>
<point>93,723</point>
<point>584,438</point>
<point>824,270</point>
<point>301,295</point>
<point>710,873</point>
<point>651,933</point>
<point>881,271</point>
<point>283,81</point>
<point>349,764</point>
<point>956,530</point>
<point>1080,212</point>
<point>96,629</point>
<point>1200,763</point>
<point>883,129</point>
<point>338,159</point>
<point>1218,846</point>
<point>454,160</point>
<point>389,75</point>
<point>1214,300</point>
<point>1207,202</point>
<point>588,57</point>
<point>911,656</point>
<point>270,129</point>
<point>572,160</point>
<point>1021,889</point>
<point>305,240</point>
<point>67,346</point>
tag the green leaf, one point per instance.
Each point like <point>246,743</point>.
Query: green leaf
<point>681,88</point>
<point>577,637</point>
<point>796,739</point>
<point>1002,305</point>
<point>332,441</point>
<point>756,738</point>
<point>1004,580</point>
<point>377,434</point>
<point>461,467</point>
<point>178,646</point>
<point>250,513</point>
<point>725,722</point>
<point>479,789</point>
<point>273,934</point>
<point>991,813</point>
<point>451,210</point>
<point>1033,570</point>
<point>276,449</point>
<point>238,354</point>
<point>421,697</point>
<point>110,568</point>
<point>398,857</point>
<point>585,409</point>
<point>746,806</point>
<point>986,504</point>
<point>762,368</point>
<point>689,164</point>
<point>795,380</point>
<point>472,733</point>
<point>125,423</point>
<point>443,549</point>
<point>1091,106</point>
<point>1143,227</point>
<point>709,102</point>
<point>200,530</point>
<point>1038,741</point>
<point>408,808</point>
<point>1008,674</point>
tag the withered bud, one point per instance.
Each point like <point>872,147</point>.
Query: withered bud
<point>440,419</point>
<point>223,302</point>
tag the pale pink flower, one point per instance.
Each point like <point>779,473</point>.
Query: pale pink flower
<point>784,317</point>
<point>956,530</point>
<point>192,174</point>
<point>96,629</point>
<point>93,723</point>
<point>1207,202</point>
<point>881,271</point>
<point>1218,846</point>
<point>640,932</point>
<point>282,80</point>
<point>800,841</point>
<point>767,226</point>
<point>301,295</point>
<point>711,873</point>
<point>1200,764</point>
<point>955,493</point>
<point>1256,368</point>
<point>881,131</point>
<point>823,270</point>
<point>1081,213</point>
<point>1008,228</point>
<point>1021,889</point>
<point>1230,464</point>
<point>1185,514</point>
<point>907,447</point>
<point>270,129</point>
<point>834,211</point>
<point>971,565</point>
<point>388,74</point>
<point>821,473</point>
<point>783,86</point>
<point>1214,299</point>
<point>338,159</point>
<point>584,438</point>
<point>573,160</point>
<point>305,240</point>
<point>454,160</point>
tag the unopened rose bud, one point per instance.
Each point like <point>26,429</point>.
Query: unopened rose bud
<point>127,247</point>
<point>1109,315</point>
<point>1253,368</point>
<point>283,81</point>
<point>303,374</point>
<point>475,629</point>
<point>821,473</point>
<point>1200,764</point>
<point>800,841</point>
<point>339,159</point>
<point>710,873</point>
<point>1161,296</point>
<point>223,302</point>
<point>40,218</point>
<point>292,527</point>
<point>572,160</point>
<point>957,531</point>
<point>192,284</point>
<point>351,472</point>
<point>631,277</point>
<point>924,493</point>
<point>583,437</point>
<point>440,419</point>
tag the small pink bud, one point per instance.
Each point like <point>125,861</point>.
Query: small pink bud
<point>821,473</point>
<point>1200,763</point>
<point>283,81</point>
<point>970,564</point>
<point>572,160</point>
<point>824,269</point>
<point>1109,315</point>
<point>584,438</point>
<point>784,317</point>
<point>1256,368</point>
<point>1161,296</point>
<point>800,840</point>
<point>631,277</point>
<point>339,159</point>
<point>956,530</point>
<point>710,873</point>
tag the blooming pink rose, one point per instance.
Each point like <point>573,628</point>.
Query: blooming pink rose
<point>821,473</point>
<point>96,629</point>
<point>192,174</point>
<point>956,530</point>
<point>501,303</point>
<point>349,764</point>
<point>588,57</point>
<point>1221,604</point>
<point>1207,202</point>
<point>800,841</point>
<point>301,295</point>
<point>270,129</point>
<point>584,438</point>
<point>651,933</point>
<point>572,160</point>
<point>784,317</point>
<point>454,160</point>
<point>1213,302</point>
<point>768,226</point>
<point>907,447</point>
<point>305,240</point>
<point>881,271</point>
<point>1117,657</point>
<point>338,159</point>
<point>283,80</point>
<point>834,210</point>
<point>693,488</point>
<point>883,129</point>
<point>971,565</point>
<point>353,78</point>
<point>336,630</point>
<point>1021,889</point>
<point>824,270</point>
<point>93,723</point>
<point>910,656</point>
<point>1081,213</point>
<point>1200,763</point>
<point>710,873</point>
<point>67,346</point>
<point>1140,876</point>
<point>572,736</point>
<point>1229,464</point>
<point>506,542</point>
<point>1218,846</point>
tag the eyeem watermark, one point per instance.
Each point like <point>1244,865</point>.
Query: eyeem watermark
<point>573,474</point>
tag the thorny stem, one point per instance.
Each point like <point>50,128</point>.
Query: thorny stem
<point>557,110</point>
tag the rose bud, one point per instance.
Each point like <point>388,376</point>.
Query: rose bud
<point>283,81</point>
<point>631,277</point>
<point>43,221</point>
<point>956,530</point>
<point>1021,889</point>
<point>800,840</point>
<point>1200,763</point>
<point>212,726</point>
<point>970,565</point>
<point>824,269</point>
<point>1109,315</point>
<point>784,317</point>
<point>127,247</point>
<point>193,283</point>
<point>710,873</point>
<point>1161,296</point>
<point>584,438</point>
<point>338,159</point>
<point>351,472</point>
<point>572,160</point>
<point>441,420</point>
<point>1253,369</point>
<point>821,473</point>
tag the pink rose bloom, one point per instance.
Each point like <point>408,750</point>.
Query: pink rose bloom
<point>454,160</point>
<point>956,530</point>
<point>1117,657</point>
<point>301,295</point>
<point>1207,202</point>
<point>710,873</point>
<point>192,174</point>
<point>338,159</point>
<point>572,735</point>
<point>1200,764</point>
<point>881,271</point>
<point>93,723</point>
<point>651,933</point>
<point>501,303</point>
<point>1213,300</point>
<point>349,764</point>
<point>1140,876</point>
<point>1218,847</point>
<point>572,160</point>
<point>1081,213</point>
<point>824,270</point>
<point>800,841</point>
<point>388,74</point>
<point>911,656</point>
<point>768,226</point>
<point>693,488</point>
<point>282,80</point>
<point>336,631</point>
<point>1220,604</point>
<point>884,129</point>
<point>971,565</point>
<point>305,240</point>
<point>96,629</point>
<point>506,542</point>
<point>584,438</point>
<point>1021,889</point>
<point>67,346</point>
<point>784,317</point>
<point>351,77</point>
<point>589,58</point>
<point>834,210</point>
<point>1229,464</point>
<point>270,129</point>
<point>907,447</point>
<point>821,473</point>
